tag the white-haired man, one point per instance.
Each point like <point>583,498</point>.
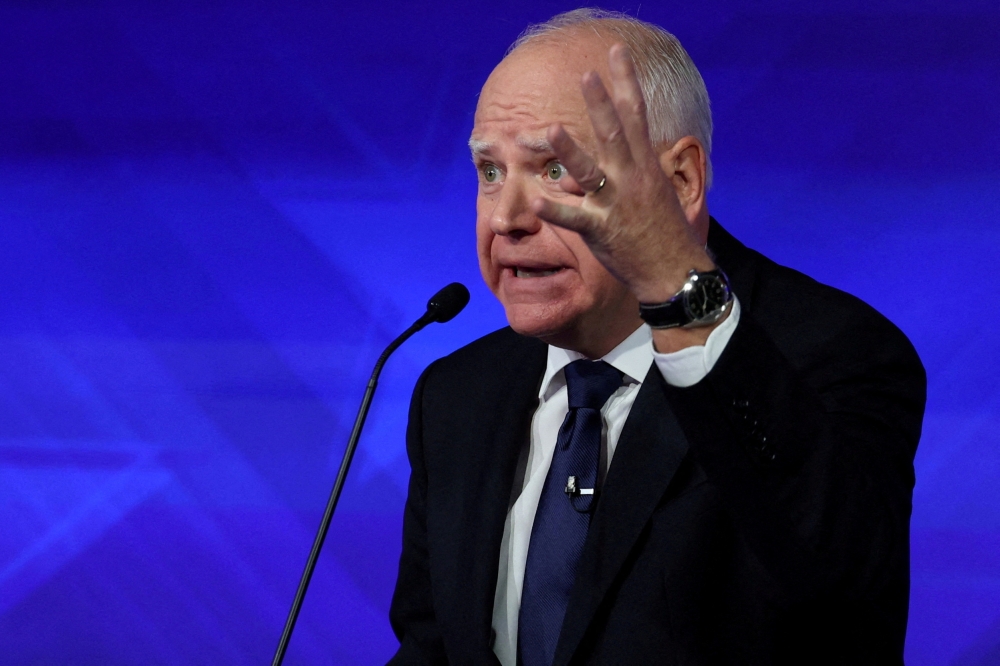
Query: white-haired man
<point>678,452</point>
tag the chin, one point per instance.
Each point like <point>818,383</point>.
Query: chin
<point>546,323</point>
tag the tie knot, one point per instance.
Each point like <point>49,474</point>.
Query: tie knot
<point>590,383</point>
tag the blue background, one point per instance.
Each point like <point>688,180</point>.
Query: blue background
<point>214,215</point>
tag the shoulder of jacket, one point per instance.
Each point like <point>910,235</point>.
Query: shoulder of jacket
<point>495,355</point>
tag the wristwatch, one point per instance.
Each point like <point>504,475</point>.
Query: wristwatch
<point>703,300</point>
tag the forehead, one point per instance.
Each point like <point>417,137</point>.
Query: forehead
<point>537,85</point>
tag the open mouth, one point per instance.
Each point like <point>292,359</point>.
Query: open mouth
<point>525,273</point>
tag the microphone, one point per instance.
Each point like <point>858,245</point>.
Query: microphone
<point>447,303</point>
<point>442,307</point>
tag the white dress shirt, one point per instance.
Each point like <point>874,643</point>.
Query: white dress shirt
<point>633,357</point>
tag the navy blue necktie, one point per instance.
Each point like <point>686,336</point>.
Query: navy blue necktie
<point>564,510</point>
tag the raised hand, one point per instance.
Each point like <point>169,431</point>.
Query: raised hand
<point>631,216</point>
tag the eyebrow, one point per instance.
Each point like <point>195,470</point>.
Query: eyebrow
<point>534,145</point>
<point>477,147</point>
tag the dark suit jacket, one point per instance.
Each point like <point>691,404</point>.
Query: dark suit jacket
<point>758,517</point>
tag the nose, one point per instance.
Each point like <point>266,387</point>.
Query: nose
<point>512,215</point>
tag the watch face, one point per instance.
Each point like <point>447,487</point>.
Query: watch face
<point>707,295</point>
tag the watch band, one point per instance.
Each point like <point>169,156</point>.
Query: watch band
<point>703,300</point>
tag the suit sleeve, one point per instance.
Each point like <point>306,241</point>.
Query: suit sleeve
<point>412,612</point>
<point>812,445</point>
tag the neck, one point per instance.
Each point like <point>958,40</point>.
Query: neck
<point>702,222</point>
<point>600,342</point>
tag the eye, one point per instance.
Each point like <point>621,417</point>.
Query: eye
<point>491,173</point>
<point>555,170</point>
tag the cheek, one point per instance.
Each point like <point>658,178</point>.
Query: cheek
<point>592,273</point>
<point>484,250</point>
<point>598,285</point>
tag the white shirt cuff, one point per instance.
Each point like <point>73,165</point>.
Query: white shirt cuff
<point>689,366</point>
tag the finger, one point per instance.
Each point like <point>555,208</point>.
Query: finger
<point>612,144</point>
<point>573,218</point>
<point>581,167</point>
<point>630,103</point>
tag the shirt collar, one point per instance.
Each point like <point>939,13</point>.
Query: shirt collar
<point>632,357</point>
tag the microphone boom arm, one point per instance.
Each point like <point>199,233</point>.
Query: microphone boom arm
<point>442,307</point>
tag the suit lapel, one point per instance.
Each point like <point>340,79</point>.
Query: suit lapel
<point>486,487</point>
<point>649,452</point>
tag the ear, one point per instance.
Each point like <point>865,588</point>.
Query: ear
<point>686,165</point>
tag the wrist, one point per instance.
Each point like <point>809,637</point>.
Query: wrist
<point>663,287</point>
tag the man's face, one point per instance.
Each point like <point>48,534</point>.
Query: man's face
<point>551,285</point>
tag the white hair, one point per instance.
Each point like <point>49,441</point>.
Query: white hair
<point>677,102</point>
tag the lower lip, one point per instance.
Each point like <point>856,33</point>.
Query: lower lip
<point>531,285</point>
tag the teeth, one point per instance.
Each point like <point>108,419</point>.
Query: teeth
<point>533,274</point>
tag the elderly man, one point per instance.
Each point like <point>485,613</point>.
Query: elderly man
<point>679,452</point>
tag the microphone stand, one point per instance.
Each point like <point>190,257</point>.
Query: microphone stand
<point>437,310</point>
